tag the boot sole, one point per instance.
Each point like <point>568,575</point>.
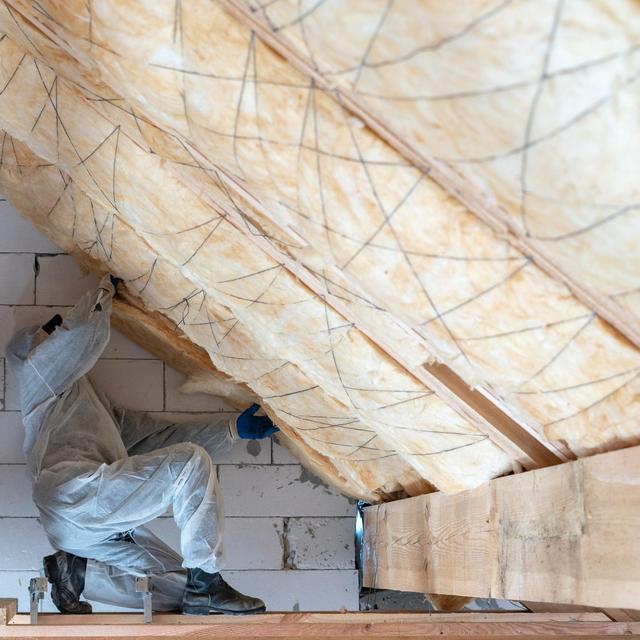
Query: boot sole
<point>206,610</point>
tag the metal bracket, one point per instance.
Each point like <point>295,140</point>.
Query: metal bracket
<point>37,588</point>
<point>359,538</point>
<point>143,586</point>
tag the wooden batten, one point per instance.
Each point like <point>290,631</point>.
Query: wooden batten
<point>561,534</point>
<point>285,626</point>
<point>525,444</point>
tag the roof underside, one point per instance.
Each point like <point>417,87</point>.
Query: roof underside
<point>289,215</point>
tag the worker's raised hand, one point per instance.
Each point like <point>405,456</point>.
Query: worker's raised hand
<point>252,427</point>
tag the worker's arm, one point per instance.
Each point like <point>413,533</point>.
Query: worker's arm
<point>48,369</point>
<point>142,433</point>
<point>73,348</point>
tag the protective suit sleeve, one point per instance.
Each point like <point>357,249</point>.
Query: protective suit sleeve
<point>72,350</point>
<point>143,433</point>
<point>50,368</point>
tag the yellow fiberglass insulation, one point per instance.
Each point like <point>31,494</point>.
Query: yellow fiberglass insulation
<point>315,263</point>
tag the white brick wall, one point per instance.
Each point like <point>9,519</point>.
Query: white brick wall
<point>17,278</point>
<point>289,539</point>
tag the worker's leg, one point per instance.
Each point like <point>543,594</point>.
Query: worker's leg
<point>115,586</point>
<point>84,515</point>
<point>182,477</point>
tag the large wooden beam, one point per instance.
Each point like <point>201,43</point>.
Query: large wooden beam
<point>564,534</point>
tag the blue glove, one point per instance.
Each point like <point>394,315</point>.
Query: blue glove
<point>115,281</point>
<point>251,427</point>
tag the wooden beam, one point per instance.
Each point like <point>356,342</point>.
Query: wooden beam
<point>290,626</point>
<point>539,452</point>
<point>8,609</point>
<point>352,618</point>
<point>619,615</point>
<point>566,534</point>
<point>444,175</point>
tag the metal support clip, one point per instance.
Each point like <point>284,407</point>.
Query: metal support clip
<point>37,588</point>
<point>143,586</point>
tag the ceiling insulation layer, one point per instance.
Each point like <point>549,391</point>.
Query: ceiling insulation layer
<point>239,196</point>
<point>531,104</point>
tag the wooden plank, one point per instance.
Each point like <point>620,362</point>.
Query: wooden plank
<point>555,607</point>
<point>303,625</point>
<point>619,615</point>
<point>351,618</point>
<point>624,615</point>
<point>444,175</point>
<point>565,534</point>
<point>540,452</point>
<point>8,608</point>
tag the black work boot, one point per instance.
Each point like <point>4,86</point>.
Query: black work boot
<point>208,593</point>
<point>66,572</point>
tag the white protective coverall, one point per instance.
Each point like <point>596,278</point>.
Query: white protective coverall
<point>100,471</point>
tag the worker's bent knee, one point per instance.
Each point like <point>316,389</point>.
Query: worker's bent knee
<point>192,458</point>
<point>199,454</point>
<point>188,451</point>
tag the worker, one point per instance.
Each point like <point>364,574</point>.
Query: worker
<point>100,472</point>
